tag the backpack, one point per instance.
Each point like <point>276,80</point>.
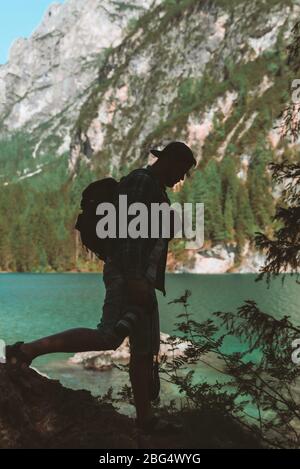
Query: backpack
<point>103,190</point>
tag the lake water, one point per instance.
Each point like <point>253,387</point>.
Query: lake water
<point>37,305</point>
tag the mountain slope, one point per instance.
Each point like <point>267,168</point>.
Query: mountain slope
<point>179,75</point>
<point>210,73</point>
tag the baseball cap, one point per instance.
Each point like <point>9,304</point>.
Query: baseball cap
<point>178,149</point>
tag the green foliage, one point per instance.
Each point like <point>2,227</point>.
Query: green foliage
<point>283,248</point>
<point>132,24</point>
<point>37,229</point>
<point>190,90</point>
<point>259,187</point>
<point>125,6</point>
<point>253,385</point>
<point>244,223</point>
<point>229,218</point>
<point>174,7</point>
<point>15,154</point>
<point>228,213</point>
<point>37,218</point>
<point>264,5</point>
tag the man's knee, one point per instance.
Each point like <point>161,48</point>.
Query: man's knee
<point>110,339</point>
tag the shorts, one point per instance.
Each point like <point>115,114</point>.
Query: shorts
<point>145,337</point>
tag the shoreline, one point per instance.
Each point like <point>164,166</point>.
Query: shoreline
<point>214,260</point>
<point>167,272</point>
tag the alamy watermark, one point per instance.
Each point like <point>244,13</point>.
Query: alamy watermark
<point>160,220</point>
<point>2,351</point>
<point>296,92</point>
<point>296,352</point>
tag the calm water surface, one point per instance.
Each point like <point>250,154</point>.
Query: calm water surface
<point>35,305</point>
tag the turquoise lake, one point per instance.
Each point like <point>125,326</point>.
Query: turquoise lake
<point>36,305</point>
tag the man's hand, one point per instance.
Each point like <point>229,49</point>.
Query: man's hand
<point>139,292</point>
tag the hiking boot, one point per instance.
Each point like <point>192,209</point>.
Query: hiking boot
<point>16,357</point>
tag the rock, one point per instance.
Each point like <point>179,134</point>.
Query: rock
<point>203,35</point>
<point>104,360</point>
<point>251,262</point>
<point>215,260</point>
<point>36,412</point>
<point>52,70</point>
<point>221,259</point>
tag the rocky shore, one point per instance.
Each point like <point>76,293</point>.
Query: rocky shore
<point>221,259</point>
<point>104,360</point>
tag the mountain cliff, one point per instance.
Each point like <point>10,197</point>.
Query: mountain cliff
<point>49,74</point>
<point>99,83</point>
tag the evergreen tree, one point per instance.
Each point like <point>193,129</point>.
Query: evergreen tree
<point>213,203</point>
<point>200,195</point>
<point>229,218</point>
<point>259,187</point>
<point>245,225</point>
<point>230,182</point>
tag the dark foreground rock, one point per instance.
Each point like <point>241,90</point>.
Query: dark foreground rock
<point>36,412</point>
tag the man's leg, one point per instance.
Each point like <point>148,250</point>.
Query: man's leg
<point>144,345</point>
<point>82,339</point>
<point>140,376</point>
<point>71,341</point>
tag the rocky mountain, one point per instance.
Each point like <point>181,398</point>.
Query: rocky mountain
<point>167,78</point>
<point>100,82</point>
<point>48,76</point>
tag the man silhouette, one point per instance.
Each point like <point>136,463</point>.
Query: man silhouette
<point>132,272</point>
